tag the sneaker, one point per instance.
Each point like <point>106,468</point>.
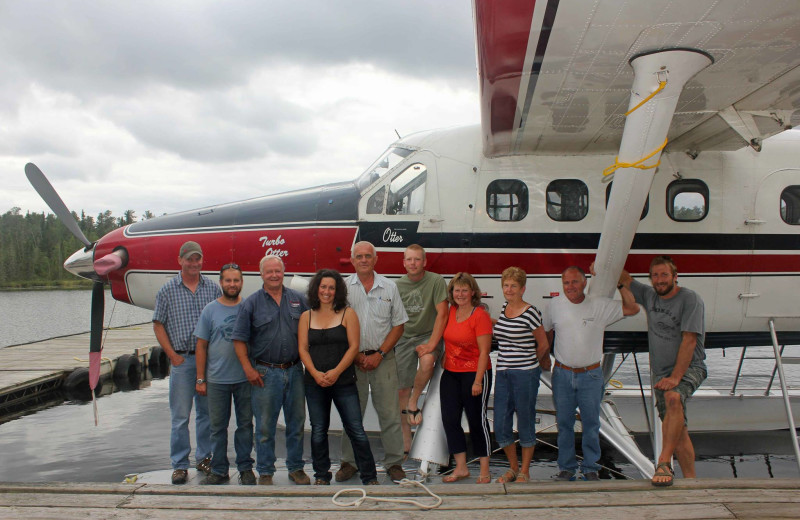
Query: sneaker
<point>247,478</point>
<point>346,472</point>
<point>180,476</point>
<point>205,466</point>
<point>215,480</point>
<point>565,476</point>
<point>396,473</point>
<point>592,475</point>
<point>265,480</point>
<point>322,482</point>
<point>299,477</point>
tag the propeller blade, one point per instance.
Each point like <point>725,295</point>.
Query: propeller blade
<point>51,198</point>
<point>96,333</point>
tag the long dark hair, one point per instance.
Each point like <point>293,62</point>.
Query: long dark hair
<point>339,299</point>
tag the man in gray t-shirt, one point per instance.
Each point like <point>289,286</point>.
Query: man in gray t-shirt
<point>675,332</point>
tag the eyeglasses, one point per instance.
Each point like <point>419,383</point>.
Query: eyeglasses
<point>230,266</point>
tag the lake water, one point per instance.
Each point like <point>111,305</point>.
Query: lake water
<point>61,443</point>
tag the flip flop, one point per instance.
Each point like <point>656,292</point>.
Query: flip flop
<point>509,476</point>
<point>484,479</point>
<point>413,415</point>
<point>663,470</point>
<point>449,479</point>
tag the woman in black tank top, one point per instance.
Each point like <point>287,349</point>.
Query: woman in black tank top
<point>328,337</point>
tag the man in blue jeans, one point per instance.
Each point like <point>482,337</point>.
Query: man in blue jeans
<point>265,340</point>
<point>178,306</point>
<point>221,378</point>
<point>578,323</point>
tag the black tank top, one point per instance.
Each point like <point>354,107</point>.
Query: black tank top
<point>327,347</point>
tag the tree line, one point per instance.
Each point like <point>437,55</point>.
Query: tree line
<point>34,246</point>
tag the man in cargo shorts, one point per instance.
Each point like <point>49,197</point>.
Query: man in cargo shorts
<point>675,332</point>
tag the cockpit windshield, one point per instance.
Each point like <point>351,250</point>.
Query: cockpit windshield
<point>391,158</point>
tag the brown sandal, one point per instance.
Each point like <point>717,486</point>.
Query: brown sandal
<point>484,479</point>
<point>663,469</point>
<point>522,477</point>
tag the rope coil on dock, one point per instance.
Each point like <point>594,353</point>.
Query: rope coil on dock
<point>404,483</point>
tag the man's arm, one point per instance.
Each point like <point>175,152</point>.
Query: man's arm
<point>438,330</point>
<point>629,305</point>
<point>685,354</point>
<point>200,359</point>
<point>163,339</point>
<point>252,375</point>
<point>372,362</point>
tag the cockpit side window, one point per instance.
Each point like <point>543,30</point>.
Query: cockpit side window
<point>391,158</point>
<point>407,191</point>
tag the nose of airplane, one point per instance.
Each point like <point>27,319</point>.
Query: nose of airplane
<point>80,264</point>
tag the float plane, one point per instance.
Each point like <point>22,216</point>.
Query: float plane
<point>611,131</point>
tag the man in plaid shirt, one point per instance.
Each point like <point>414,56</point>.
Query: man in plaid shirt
<point>178,306</point>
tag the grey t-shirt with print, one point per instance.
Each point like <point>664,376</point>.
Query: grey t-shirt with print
<point>667,319</point>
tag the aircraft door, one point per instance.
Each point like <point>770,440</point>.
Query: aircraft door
<point>773,288</point>
<point>404,208</point>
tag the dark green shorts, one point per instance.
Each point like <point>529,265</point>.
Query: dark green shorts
<point>691,380</point>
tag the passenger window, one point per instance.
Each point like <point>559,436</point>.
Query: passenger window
<point>507,200</point>
<point>375,202</point>
<point>646,202</point>
<point>790,205</point>
<point>687,200</point>
<point>567,200</point>
<point>407,191</point>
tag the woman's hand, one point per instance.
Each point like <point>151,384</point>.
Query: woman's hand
<point>477,388</point>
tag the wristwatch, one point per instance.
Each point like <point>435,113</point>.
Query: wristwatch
<point>200,381</point>
<point>382,353</point>
<point>620,286</point>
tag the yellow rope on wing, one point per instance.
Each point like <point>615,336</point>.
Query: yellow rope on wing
<point>638,164</point>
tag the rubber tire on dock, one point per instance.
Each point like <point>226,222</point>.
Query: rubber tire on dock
<point>157,358</point>
<point>76,385</point>
<point>128,372</point>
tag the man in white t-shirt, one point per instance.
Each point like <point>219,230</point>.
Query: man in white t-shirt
<point>578,322</point>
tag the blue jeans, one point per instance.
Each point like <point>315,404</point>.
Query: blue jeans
<point>283,388</point>
<point>516,391</point>
<point>181,396</point>
<point>584,391</point>
<point>345,397</point>
<point>219,408</point>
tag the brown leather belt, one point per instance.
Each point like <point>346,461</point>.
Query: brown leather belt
<point>579,370</point>
<point>277,365</point>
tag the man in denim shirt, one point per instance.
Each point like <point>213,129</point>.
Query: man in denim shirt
<point>265,339</point>
<point>178,306</point>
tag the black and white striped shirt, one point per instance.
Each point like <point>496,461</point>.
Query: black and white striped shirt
<point>517,346</point>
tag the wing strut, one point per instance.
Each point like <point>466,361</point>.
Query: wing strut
<point>659,78</point>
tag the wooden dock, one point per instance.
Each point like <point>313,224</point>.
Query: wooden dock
<point>620,500</point>
<point>33,370</point>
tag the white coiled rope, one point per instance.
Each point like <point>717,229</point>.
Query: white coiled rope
<point>403,483</point>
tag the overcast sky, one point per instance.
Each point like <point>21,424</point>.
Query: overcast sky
<point>172,105</point>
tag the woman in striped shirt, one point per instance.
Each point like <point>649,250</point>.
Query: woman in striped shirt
<point>523,347</point>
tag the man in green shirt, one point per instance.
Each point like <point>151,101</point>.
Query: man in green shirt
<point>424,296</point>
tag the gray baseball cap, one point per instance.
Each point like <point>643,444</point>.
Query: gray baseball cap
<point>189,248</point>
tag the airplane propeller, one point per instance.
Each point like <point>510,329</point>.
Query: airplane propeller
<point>52,199</point>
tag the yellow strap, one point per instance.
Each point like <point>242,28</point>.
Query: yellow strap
<point>661,86</point>
<point>638,164</point>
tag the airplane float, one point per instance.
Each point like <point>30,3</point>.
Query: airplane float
<point>673,100</point>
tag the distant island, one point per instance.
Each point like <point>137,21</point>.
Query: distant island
<point>34,246</point>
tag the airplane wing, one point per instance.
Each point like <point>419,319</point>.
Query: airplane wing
<point>555,74</point>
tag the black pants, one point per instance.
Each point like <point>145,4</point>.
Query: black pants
<point>455,395</point>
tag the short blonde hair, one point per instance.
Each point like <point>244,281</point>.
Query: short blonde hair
<point>269,258</point>
<point>417,247</point>
<point>464,279</point>
<point>515,274</point>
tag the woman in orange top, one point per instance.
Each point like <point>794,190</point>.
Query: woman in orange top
<point>467,377</point>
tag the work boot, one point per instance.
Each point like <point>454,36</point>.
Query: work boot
<point>180,476</point>
<point>247,478</point>
<point>299,477</point>
<point>396,473</point>
<point>265,480</point>
<point>565,476</point>
<point>215,480</point>
<point>346,472</point>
